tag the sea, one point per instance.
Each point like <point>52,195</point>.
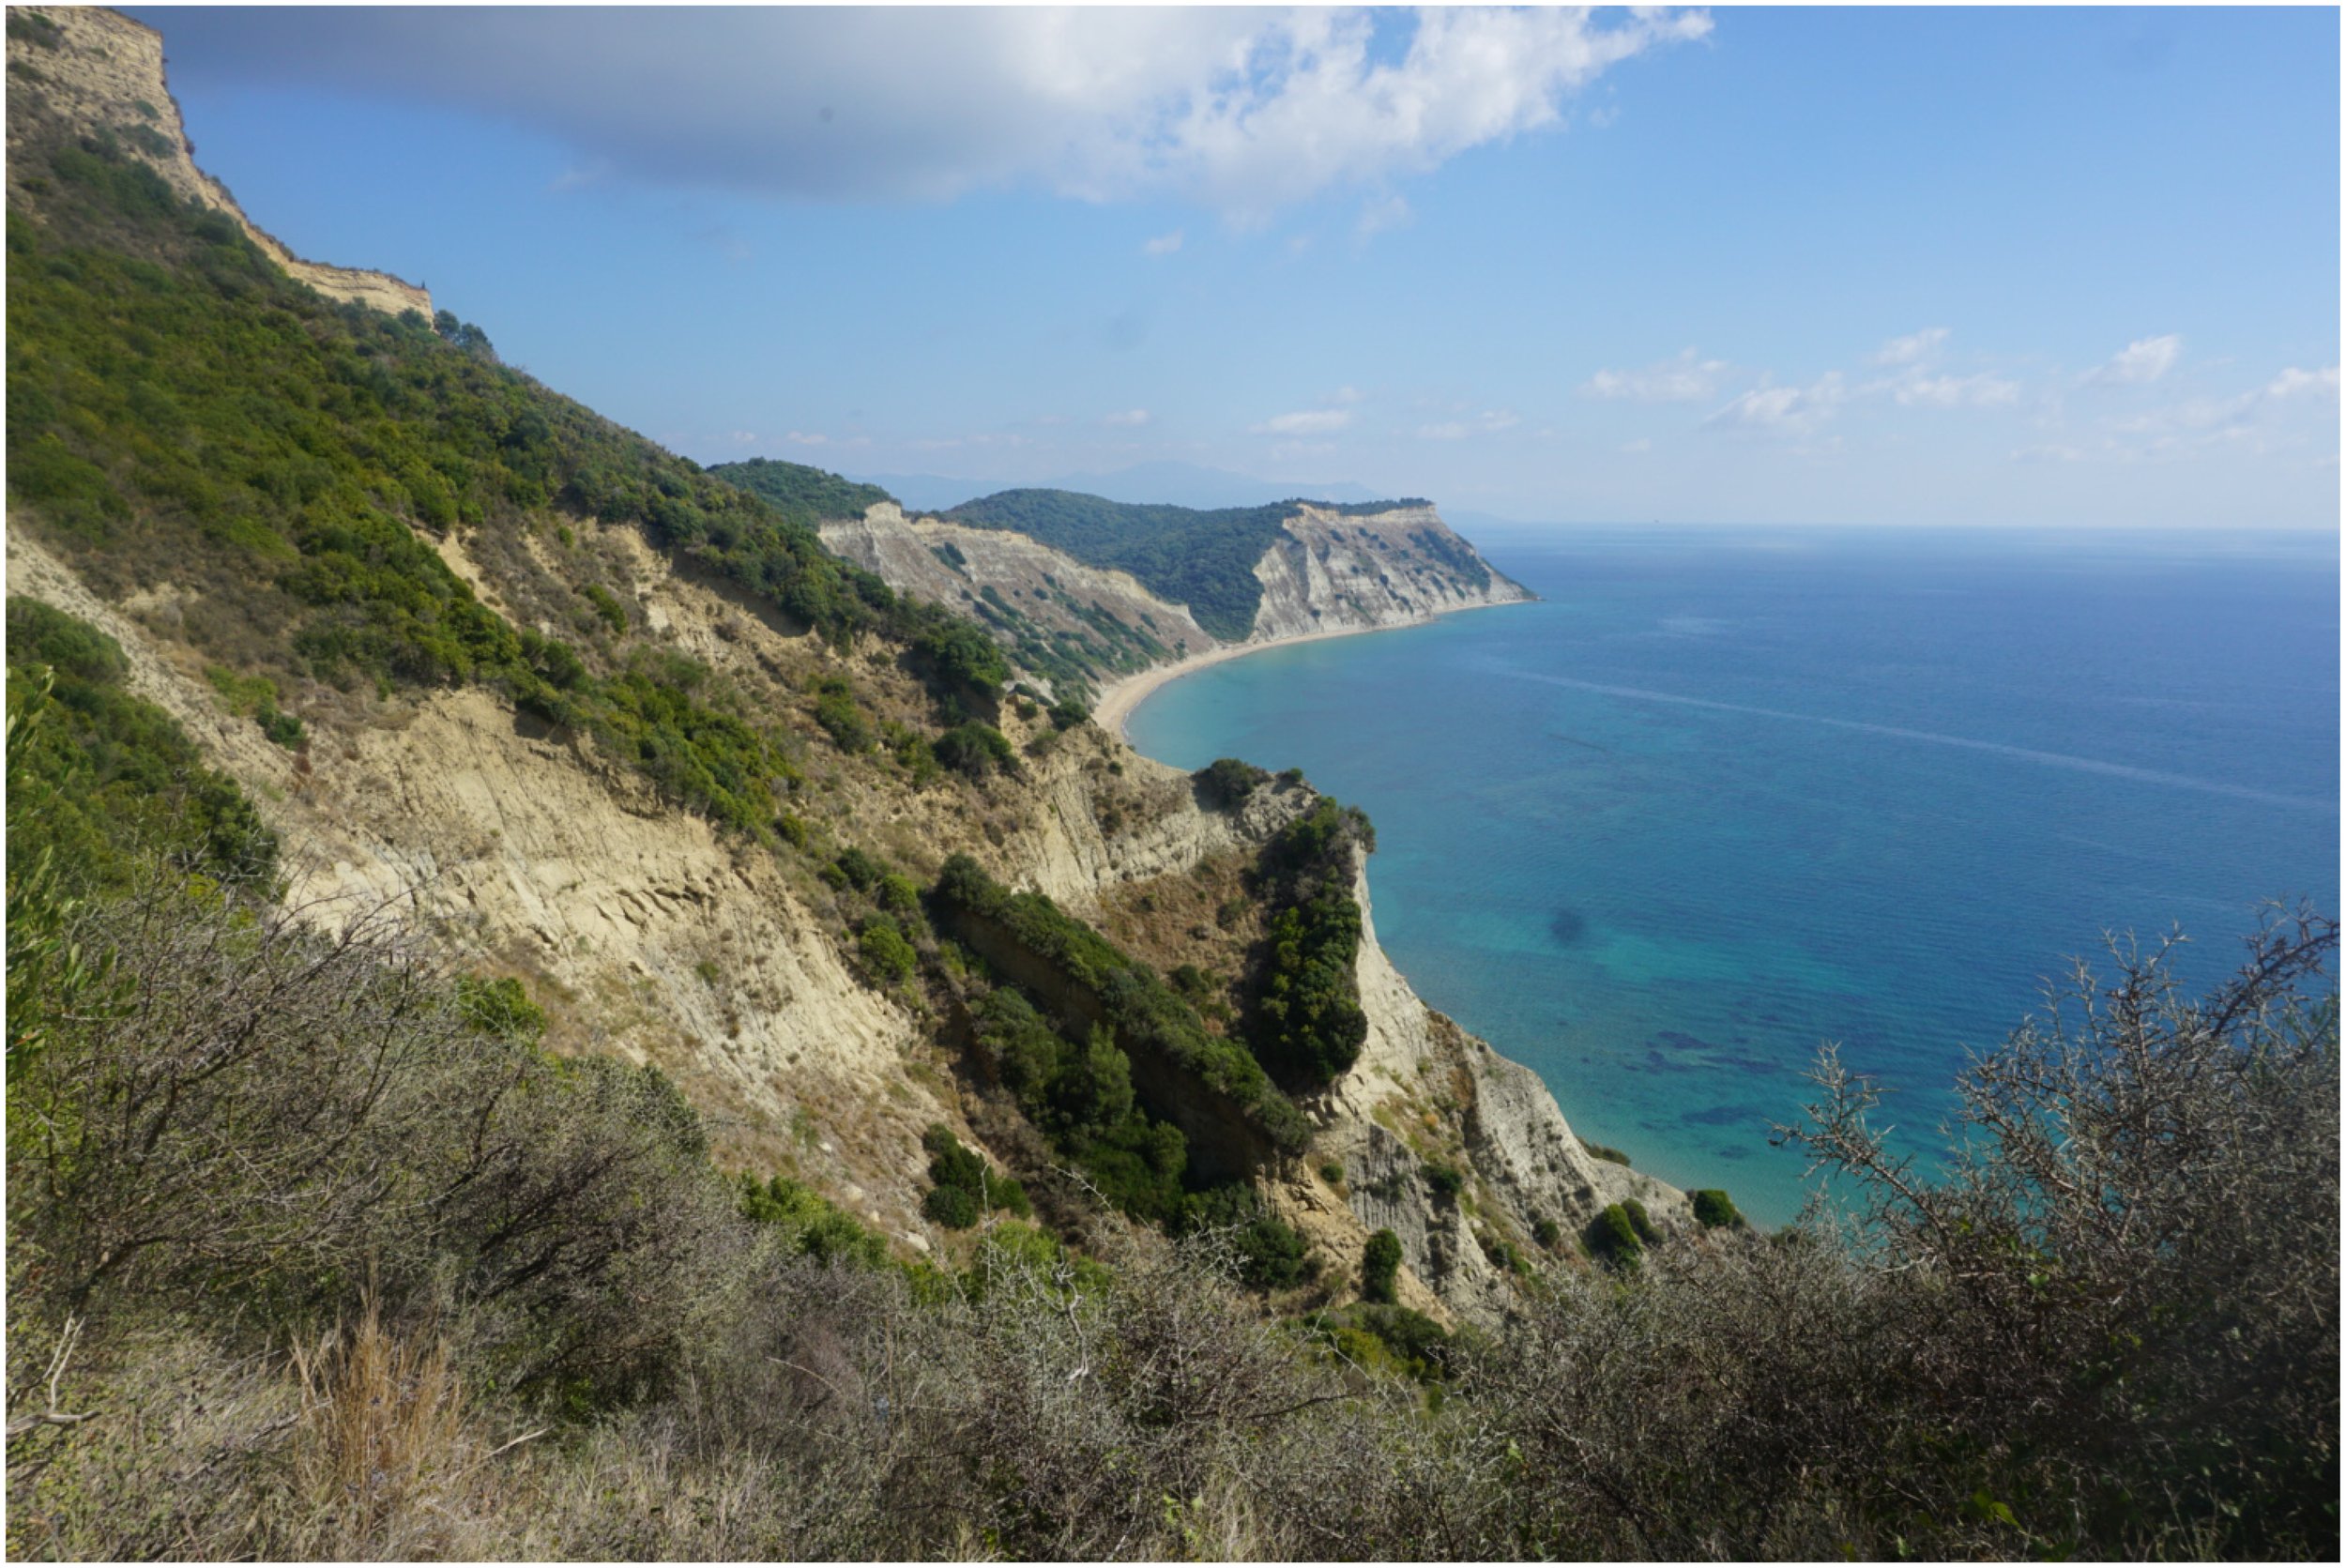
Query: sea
<point>1723,796</point>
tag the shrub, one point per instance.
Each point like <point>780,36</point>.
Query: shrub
<point>1640,1222</point>
<point>1416,1344</point>
<point>823,1230</point>
<point>1714,1207</point>
<point>954,1167</point>
<point>1445,1180</point>
<point>975,748</point>
<point>1600,1151</point>
<point>888,958</point>
<point>863,871</point>
<point>954,1207</point>
<point>1380,1266</point>
<point>1332,1171</point>
<point>841,718</point>
<point>1547,1232</point>
<point>1228,780</point>
<point>501,1008</point>
<point>1612,1238</point>
<point>1270,1254</point>
<point>607,608</point>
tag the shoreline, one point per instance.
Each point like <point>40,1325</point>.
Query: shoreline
<point>1115,709</point>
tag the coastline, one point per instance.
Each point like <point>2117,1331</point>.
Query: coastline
<point>1116,703</point>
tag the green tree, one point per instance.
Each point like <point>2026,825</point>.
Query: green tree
<point>1380,1265</point>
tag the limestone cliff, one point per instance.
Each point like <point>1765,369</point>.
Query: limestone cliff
<point>96,73</point>
<point>1325,569</point>
<point>1330,572</point>
<point>1020,588</point>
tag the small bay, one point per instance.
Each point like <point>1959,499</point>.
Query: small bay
<point>1723,795</point>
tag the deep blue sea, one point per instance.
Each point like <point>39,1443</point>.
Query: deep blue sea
<point>1723,795</point>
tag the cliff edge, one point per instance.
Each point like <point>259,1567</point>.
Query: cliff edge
<point>99,75</point>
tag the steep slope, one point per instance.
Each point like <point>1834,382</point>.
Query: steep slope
<point>609,726</point>
<point>1303,565</point>
<point>1093,594</point>
<point>1070,624</point>
<point>100,77</point>
<point>1358,568</point>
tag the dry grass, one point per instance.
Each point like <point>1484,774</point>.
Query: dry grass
<point>384,1452</point>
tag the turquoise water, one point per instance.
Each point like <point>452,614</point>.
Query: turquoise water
<point>1723,795</point>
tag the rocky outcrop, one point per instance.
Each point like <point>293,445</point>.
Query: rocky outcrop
<point>1424,1097</point>
<point>1011,584</point>
<point>1334,572</point>
<point>96,73</point>
<point>1328,570</point>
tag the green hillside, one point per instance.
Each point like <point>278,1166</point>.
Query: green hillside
<point>181,413</point>
<point>804,495</point>
<point>1203,559</point>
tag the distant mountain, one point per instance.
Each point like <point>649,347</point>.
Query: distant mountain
<point>1161,484</point>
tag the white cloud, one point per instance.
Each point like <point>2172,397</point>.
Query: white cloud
<point>2294,383</point>
<point>1914,348</point>
<point>1130,418</point>
<point>804,438</point>
<point>2139,363</point>
<point>1163,245</point>
<point>1245,111</point>
<point>1346,395</point>
<point>1498,418</point>
<point>1783,410</point>
<point>1955,391</point>
<point>1450,431</point>
<point>1309,421</point>
<point>1684,379</point>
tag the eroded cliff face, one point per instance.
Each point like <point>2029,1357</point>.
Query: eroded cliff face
<point>1327,571</point>
<point>96,72</point>
<point>1334,573</point>
<point>1018,580</point>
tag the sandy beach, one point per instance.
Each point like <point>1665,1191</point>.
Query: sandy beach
<point>1116,703</point>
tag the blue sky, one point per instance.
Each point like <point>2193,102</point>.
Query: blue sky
<point>1903,266</point>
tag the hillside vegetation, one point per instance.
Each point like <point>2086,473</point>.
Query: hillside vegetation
<point>799,494</point>
<point>181,415</point>
<point>317,1250</point>
<point>315,1253</point>
<point>1203,559</point>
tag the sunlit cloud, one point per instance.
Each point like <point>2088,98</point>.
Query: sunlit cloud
<point>1911,349</point>
<point>2139,363</point>
<point>1242,111</point>
<point>1309,421</point>
<point>1684,379</point>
